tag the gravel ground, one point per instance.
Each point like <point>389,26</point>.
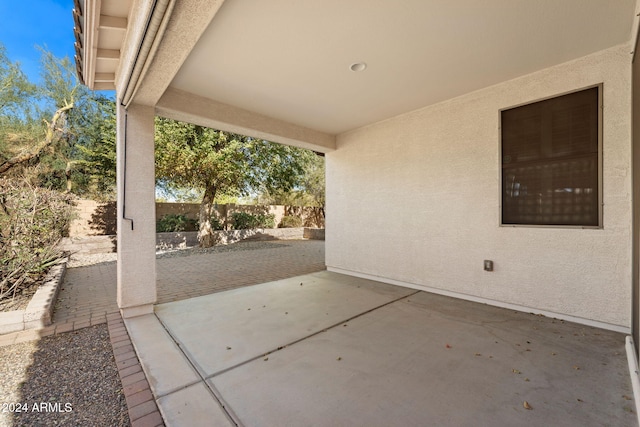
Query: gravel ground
<point>74,374</point>
<point>71,379</point>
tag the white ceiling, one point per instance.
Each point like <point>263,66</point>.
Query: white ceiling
<point>290,59</point>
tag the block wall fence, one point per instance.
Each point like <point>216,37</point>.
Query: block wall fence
<point>99,218</point>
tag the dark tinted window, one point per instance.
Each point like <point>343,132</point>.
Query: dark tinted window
<point>550,161</point>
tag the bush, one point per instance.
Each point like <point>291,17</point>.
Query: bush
<point>290,221</point>
<point>245,221</point>
<point>215,223</point>
<point>174,223</point>
<point>32,222</point>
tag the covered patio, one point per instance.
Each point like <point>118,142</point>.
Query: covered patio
<point>482,152</point>
<point>323,349</point>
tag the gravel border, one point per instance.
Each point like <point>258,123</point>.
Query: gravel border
<point>71,378</point>
<point>79,368</point>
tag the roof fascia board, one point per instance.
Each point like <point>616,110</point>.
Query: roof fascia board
<point>92,17</point>
<point>187,107</point>
<point>188,20</point>
<point>153,31</point>
<point>136,26</point>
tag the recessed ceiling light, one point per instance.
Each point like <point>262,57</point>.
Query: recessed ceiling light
<point>358,66</point>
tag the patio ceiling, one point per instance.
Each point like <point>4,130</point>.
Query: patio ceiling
<point>290,61</point>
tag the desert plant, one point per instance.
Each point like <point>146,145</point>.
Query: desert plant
<point>175,223</point>
<point>32,222</point>
<point>290,221</point>
<point>245,221</point>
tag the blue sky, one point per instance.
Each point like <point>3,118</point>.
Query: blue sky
<point>25,24</point>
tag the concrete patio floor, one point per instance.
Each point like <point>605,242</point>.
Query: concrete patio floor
<point>324,349</point>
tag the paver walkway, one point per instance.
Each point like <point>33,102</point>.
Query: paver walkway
<point>88,297</point>
<point>88,294</point>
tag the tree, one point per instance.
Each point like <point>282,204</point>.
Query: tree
<point>17,96</point>
<point>15,88</point>
<point>222,163</point>
<point>94,171</point>
<point>308,192</point>
<point>54,131</point>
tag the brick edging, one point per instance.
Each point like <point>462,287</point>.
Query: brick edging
<point>143,410</point>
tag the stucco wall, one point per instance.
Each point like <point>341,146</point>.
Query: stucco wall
<point>441,164</point>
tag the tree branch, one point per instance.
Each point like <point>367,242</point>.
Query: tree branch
<point>50,137</point>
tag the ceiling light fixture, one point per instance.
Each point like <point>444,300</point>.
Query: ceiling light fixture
<point>358,66</point>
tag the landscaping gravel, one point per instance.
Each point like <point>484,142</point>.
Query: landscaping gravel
<point>67,379</point>
<point>71,379</point>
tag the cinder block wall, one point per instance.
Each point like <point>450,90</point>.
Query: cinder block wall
<point>99,218</point>
<point>93,219</point>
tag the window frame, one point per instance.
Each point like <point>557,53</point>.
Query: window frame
<point>600,201</point>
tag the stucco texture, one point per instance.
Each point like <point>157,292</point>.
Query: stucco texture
<point>416,199</point>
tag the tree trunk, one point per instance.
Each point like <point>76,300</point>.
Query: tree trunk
<point>206,237</point>
<point>67,174</point>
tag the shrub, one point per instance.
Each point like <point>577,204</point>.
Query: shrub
<point>215,223</point>
<point>32,222</point>
<point>174,223</point>
<point>245,221</point>
<point>290,221</point>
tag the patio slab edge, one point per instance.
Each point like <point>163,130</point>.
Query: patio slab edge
<point>634,373</point>
<point>39,311</point>
<point>575,319</point>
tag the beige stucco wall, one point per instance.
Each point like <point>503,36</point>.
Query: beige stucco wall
<point>441,165</point>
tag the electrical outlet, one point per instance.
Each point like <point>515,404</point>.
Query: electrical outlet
<point>488,265</point>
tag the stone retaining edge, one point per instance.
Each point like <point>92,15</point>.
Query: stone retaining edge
<point>39,311</point>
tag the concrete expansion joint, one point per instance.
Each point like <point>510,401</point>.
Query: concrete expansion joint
<point>176,389</point>
<point>198,370</point>
<point>284,346</point>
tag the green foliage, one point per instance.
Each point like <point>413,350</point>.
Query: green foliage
<point>32,222</point>
<point>58,134</point>
<point>247,221</point>
<point>175,223</point>
<point>308,192</point>
<point>290,221</point>
<point>166,192</point>
<point>94,172</point>
<point>222,163</point>
<point>15,89</point>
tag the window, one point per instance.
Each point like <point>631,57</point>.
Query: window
<point>550,161</point>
